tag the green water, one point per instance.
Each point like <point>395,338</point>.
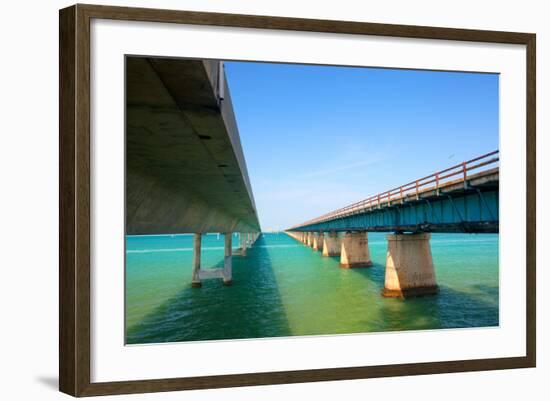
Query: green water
<point>284,288</point>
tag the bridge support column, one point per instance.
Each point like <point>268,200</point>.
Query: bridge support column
<point>253,238</point>
<point>195,278</point>
<point>409,266</point>
<point>309,239</point>
<point>227,261</point>
<point>355,250</point>
<point>315,244</point>
<point>331,244</point>
<point>318,242</point>
<point>242,244</point>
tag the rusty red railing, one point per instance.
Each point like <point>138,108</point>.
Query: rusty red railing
<point>456,173</point>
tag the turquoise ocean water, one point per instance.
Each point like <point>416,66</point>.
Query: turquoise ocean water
<point>284,288</point>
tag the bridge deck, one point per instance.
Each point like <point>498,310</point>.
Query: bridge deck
<point>436,203</point>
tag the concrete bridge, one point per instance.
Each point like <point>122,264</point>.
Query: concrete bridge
<point>185,169</point>
<point>460,199</point>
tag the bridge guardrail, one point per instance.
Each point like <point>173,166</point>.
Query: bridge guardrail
<point>435,181</point>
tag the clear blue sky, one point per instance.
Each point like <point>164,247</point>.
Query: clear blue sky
<point>317,138</point>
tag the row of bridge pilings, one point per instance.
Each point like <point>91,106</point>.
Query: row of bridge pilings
<point>409,264</point>
<point>246,240</point>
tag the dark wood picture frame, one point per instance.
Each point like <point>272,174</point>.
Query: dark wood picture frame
<point>74,206</point>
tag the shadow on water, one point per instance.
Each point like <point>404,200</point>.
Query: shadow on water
<point>448,309</point>
<point>250,308</point>
<point>451,308</point>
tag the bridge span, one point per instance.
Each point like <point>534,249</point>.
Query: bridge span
<point>185,168</point>
<point>463,198</point>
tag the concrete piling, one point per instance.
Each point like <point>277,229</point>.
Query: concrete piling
<point>331,244</point>
<point>409,266</point>
<point>227,261</point>
<point>195,280</point>
<point>355,250</point>
<point>318,241</point>
<point>243,244</point>
<point>225,272</point>
<point>309,239</point>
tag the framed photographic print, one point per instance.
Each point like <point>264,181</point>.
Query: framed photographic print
<point>251,200</point>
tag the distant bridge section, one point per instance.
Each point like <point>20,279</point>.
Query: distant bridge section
<point>460,199</point>
<point>185,168</point>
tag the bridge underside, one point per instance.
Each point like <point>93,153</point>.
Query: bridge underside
<point>464,207</point>
<point>185,169</point>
